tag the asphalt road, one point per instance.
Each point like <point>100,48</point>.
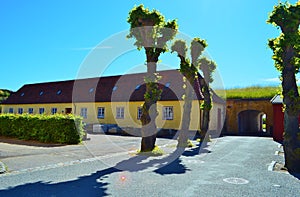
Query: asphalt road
<point>229,166</point>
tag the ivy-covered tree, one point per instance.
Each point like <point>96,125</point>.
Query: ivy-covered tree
<point>190,70</point>
<point>207,67</point>
<point>152,33</point>
<point>190,76</point>
<point>286,54</point>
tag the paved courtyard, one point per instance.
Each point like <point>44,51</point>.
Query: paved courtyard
<point>228,166</point>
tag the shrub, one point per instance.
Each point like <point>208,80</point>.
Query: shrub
<point>58,128</point>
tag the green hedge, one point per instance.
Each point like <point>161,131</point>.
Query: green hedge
<point>63,129</point>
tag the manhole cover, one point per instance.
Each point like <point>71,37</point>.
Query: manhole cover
<point>236,181</point>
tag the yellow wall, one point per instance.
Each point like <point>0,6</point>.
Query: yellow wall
<point>130,112</point>
<point>214,124</point>
<point>60,107</point>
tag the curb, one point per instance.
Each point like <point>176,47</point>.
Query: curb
<point>2,168</point>
<point>271,166</point>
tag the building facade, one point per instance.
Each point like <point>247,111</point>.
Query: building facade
<point>278,118</point>
<point>114,100</point>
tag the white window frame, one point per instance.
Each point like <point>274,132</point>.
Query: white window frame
<point>139,113</point>
<point>168,113</point>
<point>120,113</point>
<point>30,110</point>
<point>11,110</point>
<point>20,110</point>
<point>41,110</point>
<point>83,112</point>
<point>53,110</point>
<point>101,112</point>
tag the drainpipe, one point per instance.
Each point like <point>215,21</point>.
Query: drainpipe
<point>74,108</point>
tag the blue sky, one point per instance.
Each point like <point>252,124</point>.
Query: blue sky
<point>45,41</point>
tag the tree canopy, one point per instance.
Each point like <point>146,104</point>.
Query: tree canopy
<point>152,33</point>
<point>286,17</point>
<point>150,29</point>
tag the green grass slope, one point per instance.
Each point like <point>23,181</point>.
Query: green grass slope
<point>254,92</point>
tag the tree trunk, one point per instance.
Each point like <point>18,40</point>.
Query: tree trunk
<point>186,117</point>
<point>205,123</point>
<point>291,140</point>
<point>149,112</point>
<point>206,109</point>
<point>148,128</point>
<point>291,143</point>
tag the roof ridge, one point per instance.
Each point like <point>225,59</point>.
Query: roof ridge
<point>98,89</point>
<point>91,78</point>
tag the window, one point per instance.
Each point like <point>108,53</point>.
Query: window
<point>30,110</point>
<point>115,88</point>
<point>11,110</point>
<point>167,113</point>
<point>167,84</point>
<point>91,90</point>
<point>101,111</point>
<point>139,113</point>
<point>23,94</point>
<point>137,87</point>
<point>120,113</point>
<point>41,110</point>
<point>20,110</point>
<point>41,93</point>
<point>53,110</point>
<point>83,112</point>
<point>58,92</point>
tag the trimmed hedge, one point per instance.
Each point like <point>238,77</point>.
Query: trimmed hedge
<point>58,128</point>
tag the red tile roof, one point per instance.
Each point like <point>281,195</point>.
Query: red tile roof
<point>130,87</point>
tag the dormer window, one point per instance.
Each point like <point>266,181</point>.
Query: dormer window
<point>137,87</point>
<point>167,84</point>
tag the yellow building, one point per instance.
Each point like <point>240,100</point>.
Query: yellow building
<point>113,100</point>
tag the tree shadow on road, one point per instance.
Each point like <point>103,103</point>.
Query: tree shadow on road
<point>200,148</point>
<point>175,167</point>
<point>83,186</point>
<point>296,175</point>
<point>171,164</point>
<point>97,183</point>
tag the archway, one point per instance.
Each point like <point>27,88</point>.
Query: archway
<point>252,122</point>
